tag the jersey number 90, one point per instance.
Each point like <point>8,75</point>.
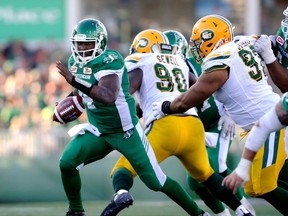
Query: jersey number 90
<point>169,80</point>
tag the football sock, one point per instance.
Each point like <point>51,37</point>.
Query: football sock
<point>72,185</point>
<point>282,184</point>
<point>204,193</point>
<point>277,198</point>
<point>283,175</point>
<point>222,193</point>
<point>239,193</point>
<point>122,179</point>
<point>176,192</point>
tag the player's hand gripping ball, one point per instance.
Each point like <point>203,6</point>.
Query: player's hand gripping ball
<point>68,109</point>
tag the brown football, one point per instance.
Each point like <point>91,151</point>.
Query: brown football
<point>68,109</point>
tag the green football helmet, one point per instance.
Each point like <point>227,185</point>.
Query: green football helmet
<point>89,40</point>
<point>177,40</point>
<point>282,41</point>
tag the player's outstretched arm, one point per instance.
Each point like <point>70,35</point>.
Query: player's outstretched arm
<point>205,86</point>
<point>241,174</point>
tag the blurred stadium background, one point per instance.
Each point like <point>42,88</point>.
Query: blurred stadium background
<point>34,34</point>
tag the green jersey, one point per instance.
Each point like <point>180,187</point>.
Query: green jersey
<point>280,50</point>
<point>119,117</point>
<point>208,111</point>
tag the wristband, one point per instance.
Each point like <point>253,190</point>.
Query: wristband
<point>81,85</point>
<point>243,168</point>
<point>166,107</point>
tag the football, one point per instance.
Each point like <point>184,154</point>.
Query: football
<point>68,109</point>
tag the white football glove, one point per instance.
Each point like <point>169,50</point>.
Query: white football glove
<point>263,47</point>
<point>227,126</point>
<point>157,110</point>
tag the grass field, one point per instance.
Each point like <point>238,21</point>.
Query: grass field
<point>139,208</point>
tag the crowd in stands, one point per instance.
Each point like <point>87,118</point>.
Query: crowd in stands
<point>29,86</point>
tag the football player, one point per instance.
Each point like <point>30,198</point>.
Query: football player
<point>276,59</point>
<point>219,132</point>
<point>101,78</point>
<point>156,74</point>
<point>234,73</point>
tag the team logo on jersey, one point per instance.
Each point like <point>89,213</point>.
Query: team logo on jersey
<point>87,70</point>
<point>207,35</point>
<point>110,58</point>
<point>73,69</point>
<point>280,40</point>
<point>128,134</point>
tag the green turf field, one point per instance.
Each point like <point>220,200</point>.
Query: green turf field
<point>140,208</point>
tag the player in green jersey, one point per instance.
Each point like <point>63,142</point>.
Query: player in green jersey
<point>275,47</point>
<point>100,77</point>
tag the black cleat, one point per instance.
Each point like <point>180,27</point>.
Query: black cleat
<point>72,213</point>
<point>118,203</point>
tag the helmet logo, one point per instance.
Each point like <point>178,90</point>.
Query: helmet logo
<point>207,35</point>
<point>80,37</point>
<point>143,42</point>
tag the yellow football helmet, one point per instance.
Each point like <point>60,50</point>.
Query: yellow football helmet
<point>209,33</point>
<point>148,41</point>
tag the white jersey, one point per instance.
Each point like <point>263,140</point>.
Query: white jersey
<point>165,76</point>
<point>246,94</point>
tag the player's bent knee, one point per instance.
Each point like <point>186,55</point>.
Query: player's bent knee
<point>66,167</point>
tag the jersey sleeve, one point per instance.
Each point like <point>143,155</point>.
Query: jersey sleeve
<point>133,62</point>
<point>217,60</point>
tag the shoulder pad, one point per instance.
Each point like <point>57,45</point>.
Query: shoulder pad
<point>134,58</point>
<point>217,56</point>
